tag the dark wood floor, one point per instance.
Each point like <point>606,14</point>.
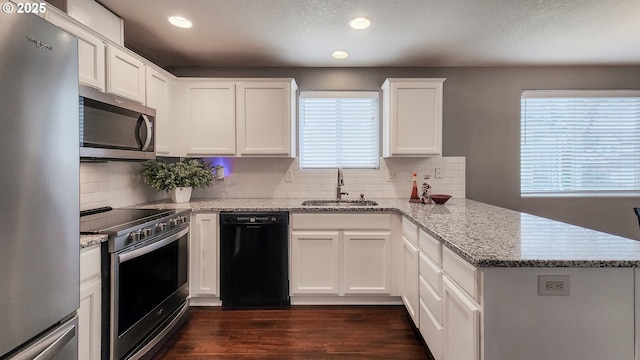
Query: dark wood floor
<point>301,333</point>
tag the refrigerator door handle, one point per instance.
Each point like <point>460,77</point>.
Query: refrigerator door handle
<point>51,344</point>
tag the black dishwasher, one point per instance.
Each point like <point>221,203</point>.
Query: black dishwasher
<point>254,259</point>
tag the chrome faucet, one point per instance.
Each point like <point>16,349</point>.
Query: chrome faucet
<point>339,191</point>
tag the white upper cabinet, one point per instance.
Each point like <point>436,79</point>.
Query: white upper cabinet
<point>126,75</point>
<point>158,96</point>
<point>211,116</point>
<point>412,117</point>
<point>265,110</point>
<point>253,117</point>
<point>91,50</point>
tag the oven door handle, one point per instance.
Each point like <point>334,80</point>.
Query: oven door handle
<point>151,247</point>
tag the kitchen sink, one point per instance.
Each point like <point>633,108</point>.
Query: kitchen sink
<point>339,203</point>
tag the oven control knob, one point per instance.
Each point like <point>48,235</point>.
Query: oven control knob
<point>135,235</point>
<point>183,219</point>
<point>161,226</point>
<point>146,232</point>
<point>174,222</point>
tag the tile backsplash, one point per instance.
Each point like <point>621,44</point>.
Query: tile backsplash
<point>119,184</point>
<point>282,178</point>
<point>114,184</point>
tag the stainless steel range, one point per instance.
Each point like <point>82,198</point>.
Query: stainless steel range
<point>145,283</point>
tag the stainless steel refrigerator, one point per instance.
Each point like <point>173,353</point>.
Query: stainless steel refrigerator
<point>39,190</point>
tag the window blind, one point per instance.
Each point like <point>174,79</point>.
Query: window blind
<point>339,129</point>
<point>575,142</point>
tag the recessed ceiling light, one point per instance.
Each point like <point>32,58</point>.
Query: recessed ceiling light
<point>340,54</point>
<point>360,23</point>
<point>180,22</point>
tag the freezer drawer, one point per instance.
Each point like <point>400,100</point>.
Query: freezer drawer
<point>60,343</point>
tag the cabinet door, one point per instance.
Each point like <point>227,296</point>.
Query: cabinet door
<point>89,313</point>
<point>203,277</point>
<point>412,117</point>
<point>411,283</point>
<point>461,322</point>
<point>158,97</point>
<point>125,75</point>
<point>264,111</point>
<point>212,118</point>
<point>315,262</point>
<point>366,262</point>
<point>91,51</point>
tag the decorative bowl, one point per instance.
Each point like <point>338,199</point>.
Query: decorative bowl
<point>440,198</point>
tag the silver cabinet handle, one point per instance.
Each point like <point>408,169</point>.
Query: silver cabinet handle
<point>147,124</point>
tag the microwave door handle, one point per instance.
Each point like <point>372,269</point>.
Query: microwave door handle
<point>147,124</point>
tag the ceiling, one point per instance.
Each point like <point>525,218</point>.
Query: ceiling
<point>303,33</point>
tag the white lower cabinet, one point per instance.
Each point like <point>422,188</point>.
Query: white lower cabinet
<point>333,254</point>
<point>442,293</point>
<point>431,330</point>
<point>461,323</point>
<point>315,262</point>
<point>203,260</point>
<point>366,262</point>
<point>89,313</point>
<point>410,289</point>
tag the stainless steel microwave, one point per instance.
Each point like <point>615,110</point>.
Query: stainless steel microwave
<point>115,128</point>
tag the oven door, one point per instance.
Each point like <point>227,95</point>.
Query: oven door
<point>149,282</point>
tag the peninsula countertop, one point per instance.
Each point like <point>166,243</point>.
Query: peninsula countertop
<point>483,234</point>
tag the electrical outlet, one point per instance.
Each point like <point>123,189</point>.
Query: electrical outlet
<point>288,176</point>
<point>438,173</point>
<point>554,285</point>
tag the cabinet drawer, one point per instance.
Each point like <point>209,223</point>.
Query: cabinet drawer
<point>89,263</point>
<point>410,230</point>
<point>463,273</point>
<point>431,246</point>
<point>340,221</point>
<point>431,331</point>
<point>431,272</point>
<point>433,301</point>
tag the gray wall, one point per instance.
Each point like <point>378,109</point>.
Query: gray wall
<point>482,122</point>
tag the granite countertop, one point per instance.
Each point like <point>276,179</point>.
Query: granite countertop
<point>90,240</point>
<point>484,235</point>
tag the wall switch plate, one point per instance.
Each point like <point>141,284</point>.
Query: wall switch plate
<point>438,173</point>
<point>554,285</point>
<point>288,176</point>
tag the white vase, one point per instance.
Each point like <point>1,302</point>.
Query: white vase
<point>181,195</point>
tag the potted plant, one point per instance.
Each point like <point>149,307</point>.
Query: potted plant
<point>179,178</point>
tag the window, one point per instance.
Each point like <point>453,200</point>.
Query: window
<point>339,129</point>
<point>580,142</point>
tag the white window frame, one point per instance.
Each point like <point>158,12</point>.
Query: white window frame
<point>612,170</point>
<point>374,161</point>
